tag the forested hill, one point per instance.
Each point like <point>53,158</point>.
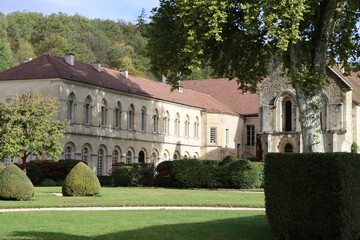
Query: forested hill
<point>117,45</point>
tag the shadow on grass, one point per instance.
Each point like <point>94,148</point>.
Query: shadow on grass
<point>244,228</point>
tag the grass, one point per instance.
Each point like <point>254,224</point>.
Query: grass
<point>145,225</point>
<point>44,197</point>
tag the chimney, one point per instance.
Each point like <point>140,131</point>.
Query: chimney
<point>97,66</point>
<point>125,73</point>
<point>163,79</point>
<point>179,86</point>
<point>70,58</point>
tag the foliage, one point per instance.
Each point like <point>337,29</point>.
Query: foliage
<point>163,177</point>
<point>243,174</point>
<point>228,159</point>
<point>1,168</point>
<point>133,175</point>
<point>15,185</point>
<point>313,196</point>
<point>28,34</point>
<point>354,147</point>
<point>81,181</point>
<point>240,39</point>
<point>26,127</point>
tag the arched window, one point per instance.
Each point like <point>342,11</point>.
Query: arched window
<point>117,113</point>
<point>85,155</point>
<point>196,128</point>
<point>115,156</point>
<point>129,157</point>
<point>71,107</point>
<point>141,156</point>
<point>68,151</point>
<point>87,110</point>
<point>153,158</point>
<point>143,119</point>
<point>103,117</point>
<point>177,125</point>
<point>131,114</point>
<point>100,162</point>
<point>166,121</point>
<point>155,121</point>
<point>176,155</point>
<point>186,126</point>
<point>288,148</point>
<point>288,116</point>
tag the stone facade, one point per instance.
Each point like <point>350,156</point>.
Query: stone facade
<point>279,114</point>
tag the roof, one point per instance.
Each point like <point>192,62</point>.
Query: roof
<point>353,79</point>
<point>227,91</point>
<point>50,67</point>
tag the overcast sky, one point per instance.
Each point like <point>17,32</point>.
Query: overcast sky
<point>127,10</point>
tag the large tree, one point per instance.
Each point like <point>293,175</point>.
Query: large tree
<point>239,38</point>
<point>27,126</point>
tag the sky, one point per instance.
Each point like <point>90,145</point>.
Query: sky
<point>127,10</point>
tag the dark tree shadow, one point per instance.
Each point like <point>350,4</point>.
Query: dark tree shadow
<point>245,228</point>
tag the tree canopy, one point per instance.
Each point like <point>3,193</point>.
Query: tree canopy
<point>240,38</point>
<point>27,126</point>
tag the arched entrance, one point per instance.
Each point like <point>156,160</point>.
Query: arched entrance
<point>288,148</point>
<point>141,158</point>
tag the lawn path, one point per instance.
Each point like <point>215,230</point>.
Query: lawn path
<point>129,208</point>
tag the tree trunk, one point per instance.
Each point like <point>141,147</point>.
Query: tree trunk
<point>23,158</point>
<point>310,120</point>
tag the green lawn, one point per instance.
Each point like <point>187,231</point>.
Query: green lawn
<point>44,197</point>
<point>149,224</point>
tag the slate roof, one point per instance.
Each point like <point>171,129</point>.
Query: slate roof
<point>227,92</point>
<point>50,67</point>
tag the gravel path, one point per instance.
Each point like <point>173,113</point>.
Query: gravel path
<point>129,208</point>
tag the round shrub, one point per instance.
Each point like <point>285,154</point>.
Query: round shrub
<point>122,176</point>
<point>81,181</point>
<point>15,185</point>
<point>243,174</point>
<point>163,174</point>
<point>228,159</point>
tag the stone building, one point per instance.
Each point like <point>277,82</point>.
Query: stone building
<point>279,124</point>
<point>117,117</point>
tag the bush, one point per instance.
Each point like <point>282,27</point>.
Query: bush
<point>313,195</point>
<point>81,181</point>
<point>243,174</point>
<point>195,174</point>
<point>15,185</point>
<point>34,171</point>
<point>133,175</point>
<point>228,159</point>
<point>1,168</point>
<point>163,174</point>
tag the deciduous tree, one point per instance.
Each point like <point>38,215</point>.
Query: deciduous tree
<point>27,126</point>
<point>239,38</point>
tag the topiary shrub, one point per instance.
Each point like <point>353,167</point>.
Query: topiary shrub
<point>228,159</point>
<point>243,174</point>
<point>81,181</point>
<point>163,174</point>
<point>15,185</point>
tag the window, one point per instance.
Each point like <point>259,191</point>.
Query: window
<point>176,155</point>
<point>117,113</point>
<point>131,113</point>
<point>156,122</point>
<point>166,120</point>
<point>153,158</point>
<point>250,135</point>
<point>226,136</point>
<point>87,110</point>
<point>143,119</point>
<point>115,156</point>
<point>186,126</point>
<point>196,128</point>
<point>8,161</point>
<point>100,162</point>
<point>288,116</point>
<point>177,125</point>
<point>128,157</point>
<point>67,154</point>
<point>141,157</point>
<point>70,107</point>
<point>103,117</point>
<point>212,135</point>
<point>85,155</point>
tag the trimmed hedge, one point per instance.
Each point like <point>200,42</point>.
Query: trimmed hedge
<point>196,174</point>
<point>243,174</point>
<point>133,175</point>
<point>163,174</point>
<point>228,159</point>
<point>81,181</point>
<point>15,185</point>
<point>313,196</point>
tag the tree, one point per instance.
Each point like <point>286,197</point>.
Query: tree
<point>240,38</point>
<point>27,127</point>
